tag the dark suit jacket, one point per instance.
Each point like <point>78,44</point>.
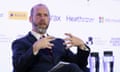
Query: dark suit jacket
<point>25,61</point>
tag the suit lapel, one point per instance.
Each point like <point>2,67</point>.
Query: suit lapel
<point>31,38</point>
<point>56,50</point>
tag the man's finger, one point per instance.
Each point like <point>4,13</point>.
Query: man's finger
<point>67,39</point>
<point>50,37</point>
<point>68,34</point>
<point>69,46</point>
<point>50,45</point>
<point>67,43</point>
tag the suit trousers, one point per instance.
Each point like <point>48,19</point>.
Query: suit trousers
<point>69,68</point>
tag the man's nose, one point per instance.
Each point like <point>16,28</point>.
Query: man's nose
<point>42,17</point>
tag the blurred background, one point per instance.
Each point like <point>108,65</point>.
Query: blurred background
<point>97,22</point>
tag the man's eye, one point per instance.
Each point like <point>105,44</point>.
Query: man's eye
<point>45,14</point>
<point>38,14</point>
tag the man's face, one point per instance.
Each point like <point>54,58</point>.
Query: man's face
<point>40,19</point>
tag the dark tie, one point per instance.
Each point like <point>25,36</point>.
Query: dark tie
<point>43,36</point>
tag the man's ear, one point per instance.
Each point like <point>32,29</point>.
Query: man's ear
<point>30,18</point>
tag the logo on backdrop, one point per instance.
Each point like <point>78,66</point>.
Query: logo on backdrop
<point>101,19</point>
<point>111,20</point>
<point>95,41</point>
<point>55,18</point>
<point>18,15</point>
<point>115,41</point>
<point>89,41</point>
<point>79,19</point>
<point>4,38</point>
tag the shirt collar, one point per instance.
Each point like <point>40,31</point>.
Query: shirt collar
<point>37,35</point>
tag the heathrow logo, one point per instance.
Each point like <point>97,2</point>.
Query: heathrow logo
<point>79,19</point>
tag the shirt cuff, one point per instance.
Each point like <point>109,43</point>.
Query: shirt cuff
<point>85,48</point>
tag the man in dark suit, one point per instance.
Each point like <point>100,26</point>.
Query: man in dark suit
<point>40,52</point>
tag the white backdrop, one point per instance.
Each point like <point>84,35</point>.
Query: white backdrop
<point>99,19</point>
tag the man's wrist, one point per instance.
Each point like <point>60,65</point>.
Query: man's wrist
<point>35,53</point>
<point>84,48</point>
<point>35,50</point>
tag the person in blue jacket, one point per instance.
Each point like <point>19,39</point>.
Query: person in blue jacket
<point>40,52</point>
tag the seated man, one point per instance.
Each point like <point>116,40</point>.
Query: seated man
<point>40,52</point>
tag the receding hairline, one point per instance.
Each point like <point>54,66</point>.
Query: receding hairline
<point>32,9</point>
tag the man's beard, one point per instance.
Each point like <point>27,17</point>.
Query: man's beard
<point>40,29</point>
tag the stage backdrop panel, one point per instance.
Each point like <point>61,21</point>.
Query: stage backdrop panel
<point>97,22</point>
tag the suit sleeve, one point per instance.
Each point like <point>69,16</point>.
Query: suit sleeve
<point>22,56</point>
<point>81,58</point>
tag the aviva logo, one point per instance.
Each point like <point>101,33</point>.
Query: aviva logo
<point>17,15</point>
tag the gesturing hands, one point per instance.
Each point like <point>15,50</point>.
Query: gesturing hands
<point>73,41</point>
<point>70,41</point>
<point>43,43</point>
